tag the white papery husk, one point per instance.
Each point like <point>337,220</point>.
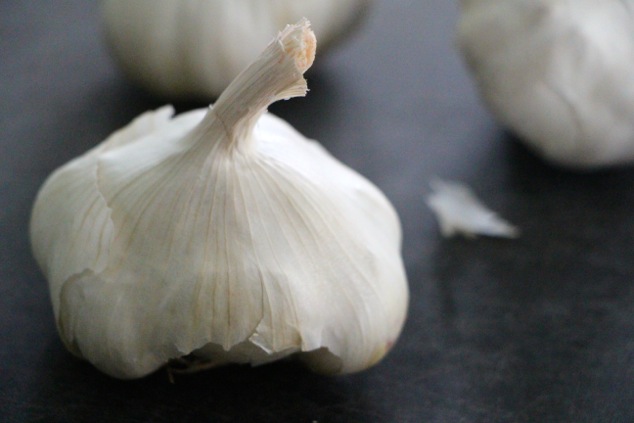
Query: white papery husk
<point>194,48</point>
<point>460,212</point>
<point>558,73</point>
<point>222,233</point>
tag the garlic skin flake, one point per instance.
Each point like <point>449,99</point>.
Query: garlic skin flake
<point>194,48</point>
<point>558,73</point>
<point>221,233</point>
<point>459,211</point>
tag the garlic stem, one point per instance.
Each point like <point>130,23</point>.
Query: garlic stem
<point>276,74</point>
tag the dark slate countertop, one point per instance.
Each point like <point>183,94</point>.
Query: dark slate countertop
<point>538,329</point>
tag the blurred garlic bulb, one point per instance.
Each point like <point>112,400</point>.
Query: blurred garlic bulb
<point>222,234</point>
<point>558,73</point>
<point>194,48</point>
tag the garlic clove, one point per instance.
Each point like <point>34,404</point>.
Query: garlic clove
<point>222,233</point>
<point>194,48</point>
<point>557,73</point>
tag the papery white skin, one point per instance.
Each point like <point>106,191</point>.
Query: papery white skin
<point>459,211</point>
<point>558,73</point>
<point>194,48</point>
<point>223,233</point>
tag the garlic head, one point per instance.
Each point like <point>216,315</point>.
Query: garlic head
<point>557,73</point>
<point>224,234</point>
<point>194,48</point>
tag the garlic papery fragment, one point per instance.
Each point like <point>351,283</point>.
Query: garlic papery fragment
<point>558,73</point>
<point>194,48</point>
<point>221,233</point>
<point>460,212</point>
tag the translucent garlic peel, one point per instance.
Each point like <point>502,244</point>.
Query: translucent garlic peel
<point>223,233</point>
<point>459,211</point>
<point>557,73</point>
<point>194,48</point>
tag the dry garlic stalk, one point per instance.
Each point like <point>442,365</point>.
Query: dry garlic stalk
<point>221,233</point>
<point>558,73</point>
<point>194,48</point>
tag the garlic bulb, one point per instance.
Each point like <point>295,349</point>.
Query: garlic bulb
<point>224,234</point>
<point>558,73</point>
<point>194,48</point>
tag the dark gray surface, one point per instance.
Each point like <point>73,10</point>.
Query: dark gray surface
<point>536,329</point>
